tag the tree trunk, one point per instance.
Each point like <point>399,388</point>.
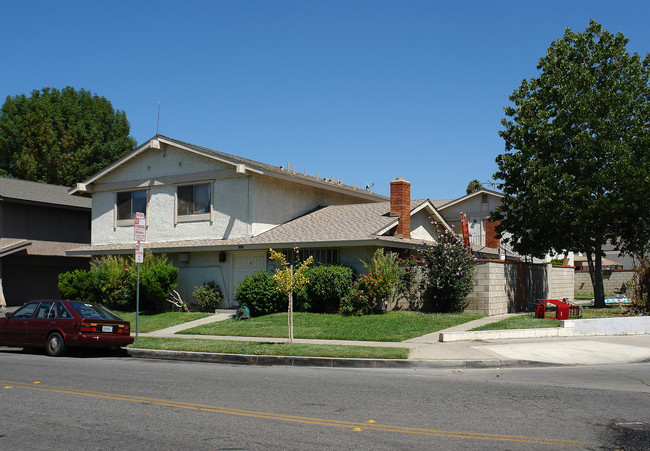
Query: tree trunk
<point>596,274</point>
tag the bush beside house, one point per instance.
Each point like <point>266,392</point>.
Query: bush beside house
<point>112,281</point>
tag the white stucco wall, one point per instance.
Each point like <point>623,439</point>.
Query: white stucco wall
<point>276,201</point>
<point>230,198</point>
<point>472,207</point>
<point>421,227</point>
<point>244,205</point>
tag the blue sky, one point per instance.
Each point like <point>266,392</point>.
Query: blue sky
<point>364,91</point>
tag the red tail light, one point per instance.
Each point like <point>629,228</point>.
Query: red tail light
<point>88,327</point>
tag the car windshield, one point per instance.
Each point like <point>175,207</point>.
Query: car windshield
<point>93,311</point>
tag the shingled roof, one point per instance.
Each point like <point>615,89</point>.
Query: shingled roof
<point>26,191</point>
<point>333,225</point>
<point>242,164</point>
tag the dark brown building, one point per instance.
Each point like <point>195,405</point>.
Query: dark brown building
<point>38,223</point>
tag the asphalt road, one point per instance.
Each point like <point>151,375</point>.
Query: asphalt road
<point>104,402</point>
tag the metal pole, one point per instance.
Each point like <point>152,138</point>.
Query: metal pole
<point>137,304</point>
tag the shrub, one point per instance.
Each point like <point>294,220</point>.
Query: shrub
<point>365,297</point>
<point>374,291</point>
<point>448,274</point>
<point>76,285</point>
<point>208,296</point>
<point>260,294</point>
<point>640,288</point>
<point>386,270</point>
<point>157,280</point>
<point>112,281</point>
<point>328,285</point>
<point>409,282</point>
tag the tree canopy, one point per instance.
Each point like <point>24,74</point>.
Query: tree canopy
<point>577,164</point>
<point>60,137</point>
<point>473,186</point>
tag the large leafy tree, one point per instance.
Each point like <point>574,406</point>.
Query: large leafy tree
<point>60,137</point>
<point>576,171</point>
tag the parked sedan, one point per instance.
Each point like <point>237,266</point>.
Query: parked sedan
<point>56,325</point>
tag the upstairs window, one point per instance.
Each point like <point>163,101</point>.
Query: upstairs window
<point>129,203</point>
<point>193,199</point>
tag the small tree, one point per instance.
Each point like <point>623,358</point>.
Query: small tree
<point>473,186</point>
<point>288,280</point>
<point>448,274</point>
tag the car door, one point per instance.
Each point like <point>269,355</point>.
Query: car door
<point>14,329</point>
<point>40,323</point>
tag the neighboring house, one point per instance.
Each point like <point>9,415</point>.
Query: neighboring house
<point>477,207</point>
<point>216,215</point>
<point>38,224</point>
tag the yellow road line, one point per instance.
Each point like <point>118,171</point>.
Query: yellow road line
<point>360,426</point>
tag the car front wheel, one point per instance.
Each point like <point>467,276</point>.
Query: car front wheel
<point>55,346</point>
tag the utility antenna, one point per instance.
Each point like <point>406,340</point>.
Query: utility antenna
<point>158,122</point>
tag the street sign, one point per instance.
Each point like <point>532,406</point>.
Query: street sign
<point>139,227</point>
<point>139,253</point>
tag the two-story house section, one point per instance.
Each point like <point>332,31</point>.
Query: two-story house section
<point>477,207</point>
<point>216,215</point>
<point>38,224</point>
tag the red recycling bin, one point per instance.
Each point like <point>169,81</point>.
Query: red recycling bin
<point>561,309</point>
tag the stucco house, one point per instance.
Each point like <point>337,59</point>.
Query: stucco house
<point>38,224</point>
<point>216,215</point>
<point>477,207</point>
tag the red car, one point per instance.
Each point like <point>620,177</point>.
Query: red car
<point>56,325</point>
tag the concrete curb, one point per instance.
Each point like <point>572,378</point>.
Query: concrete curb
<point>637,325</point>
<point>506,334</point>
<point>327,362</point>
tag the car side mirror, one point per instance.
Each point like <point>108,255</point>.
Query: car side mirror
<point>9,314</point>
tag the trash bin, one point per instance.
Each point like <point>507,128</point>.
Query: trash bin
<point>561,309</point>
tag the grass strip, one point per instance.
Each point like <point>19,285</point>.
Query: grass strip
<point>148,322</point>
<point>520,322</point>
<point>259,348</point>
<point>391,326</point>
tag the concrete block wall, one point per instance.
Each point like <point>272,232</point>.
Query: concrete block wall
<point>612,280</point>
<point>562,283</point>
<point>494,292</point>
<point>499,285</point>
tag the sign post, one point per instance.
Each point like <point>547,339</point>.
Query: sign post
<point>139,235</point>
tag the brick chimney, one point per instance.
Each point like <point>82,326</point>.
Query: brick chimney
<point>400,206</point>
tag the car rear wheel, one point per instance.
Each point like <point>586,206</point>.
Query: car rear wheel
<point>54,345</point>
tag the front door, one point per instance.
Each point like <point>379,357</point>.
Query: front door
<point>246,264</point>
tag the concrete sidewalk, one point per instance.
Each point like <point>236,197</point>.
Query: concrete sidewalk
<point>428,351</point>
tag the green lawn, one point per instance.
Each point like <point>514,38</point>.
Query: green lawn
<point>257,348</point>
<point>148,322</point>
<point>391,326</point>
<point>530,322</point>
